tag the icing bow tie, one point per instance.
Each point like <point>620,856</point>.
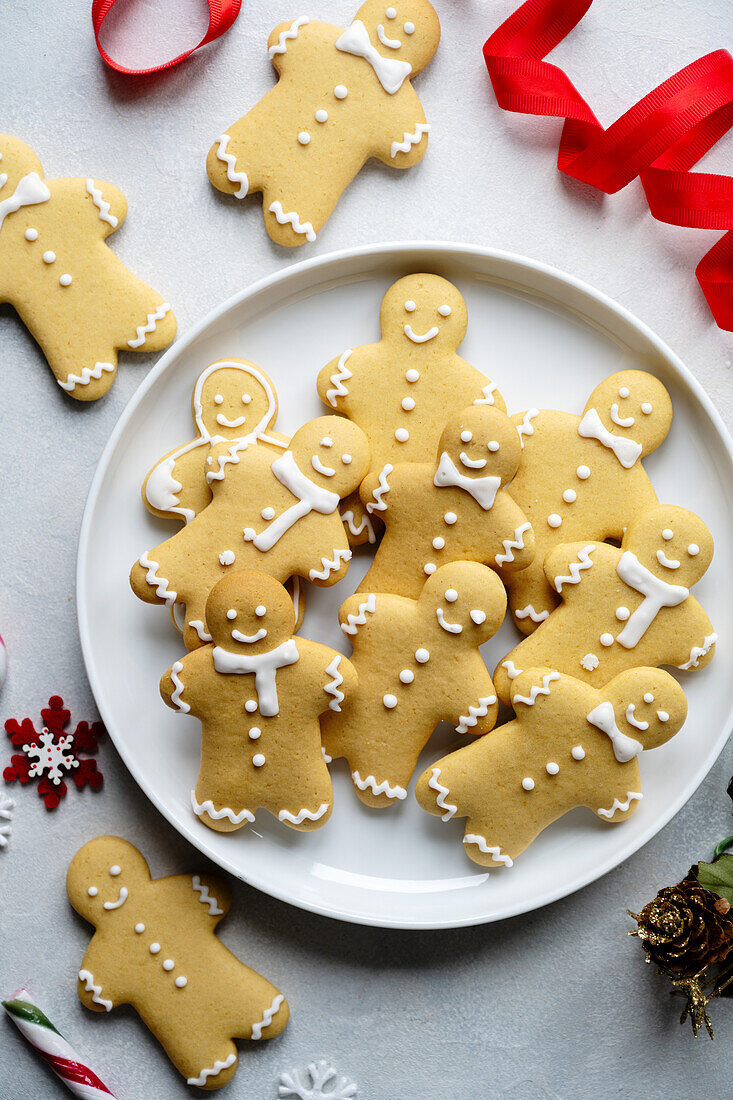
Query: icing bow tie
<point>625,748</point>
<point>626,450</point>
<point>482,489</point>
<point>390,72</point>
<point>30,190</point>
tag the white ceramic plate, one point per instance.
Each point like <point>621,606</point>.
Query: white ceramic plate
<point>547,339</point>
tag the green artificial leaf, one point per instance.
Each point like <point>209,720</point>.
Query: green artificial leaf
<point>718,876</point>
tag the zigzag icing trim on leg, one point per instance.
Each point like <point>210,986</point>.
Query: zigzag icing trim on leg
<point>231,162</point>
<point>699,651</point>
<point>348,519</point>
<point>511,669</point>
<point>330,565</point>
<point>332,687</point>
<point>529,612</point>
<point>144,330</point>
<point>293,218</point>
<point>205,897</point>
<point>101,204</point>
<point>378,788</point>
<point>630,797</point>
<point>525,428</point>
<point>465,722</point>
<point>510,545</point>
<point>575,567</point>
<point>443,793</point>
<point>353,622</point>
<point>281,45</point>
<point>342,375</point>
<point>488,391</point>
<point>267,1017</point>
<point>207,807</point>
<point>408,140</point>
<point>87,977</point>
<point>86,376</point>
<point>162,591</point>
<point>378,503</point>
<point>299,818</point>
<point>213,1072</point>
<point>182,705</point>
<point>495,853</point>
<point>537,689</point>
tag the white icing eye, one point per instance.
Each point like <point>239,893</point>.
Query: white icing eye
<point>260,610</point>
<point>341,91</point>
<point>246,399</point>
<point>391,13</point>
<point>478,616</point>
<point>693,549</point>
<point>218,399</point>
<point>577,752</point>
<point>409,28</point>
<point>92,891</point>
<point>493,445</point>
<point>466,437</point>
<point>667,534</point>
<point>321,115</point>
<point>445,310</point>
<point>327,441</point>
<point>231,614</point>
<point>346,459</point>
<point>646,408</point>
<point>181,982</point>
<point>451,595</point>
<point>648,697</point>
<point>258,759</point>
<point>410,306</point>
<point>115,870</point>
<point>624,391</point>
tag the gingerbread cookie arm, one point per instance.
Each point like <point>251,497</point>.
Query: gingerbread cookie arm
<point>331,559</point>
<point>693,646</point>
<point>207,896</point>
<point>570,566</point>
<point>357,615</point>
<point>284,46</point>
<point>407,142</point>
<point>99,987</point>
<point>336,384</point>
<point>181,687</point>
<point>176,486</point>
<point>512,544</point>
<point>472,706</point>
<point>106,203</point>
<point>337,678</point>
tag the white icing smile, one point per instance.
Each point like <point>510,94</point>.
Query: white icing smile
<point>668,563</point>
<point>421,337</point>
<point>472,463</point>
<point>249,639</point>
<point>451,628</point>
<point>390,43</point>
<point>622,421</point>
<point>120,901</point>
<point>225,423</point>
<point>320,468</point>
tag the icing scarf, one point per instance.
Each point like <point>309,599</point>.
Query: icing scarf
<point>626,450</point>
<point>264,666</point>
<point>390,72</point>
<point>656,592</point>
<point>624,748</point>
<point>311,498</point>
<point>482,489</point>
<point>30,190</point>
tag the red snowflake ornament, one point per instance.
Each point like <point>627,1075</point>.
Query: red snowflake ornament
<point>52,752</point>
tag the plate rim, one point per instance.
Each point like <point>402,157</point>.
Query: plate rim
<point>385,250</point>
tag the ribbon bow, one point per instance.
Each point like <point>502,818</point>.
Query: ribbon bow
<point>626,450</point>
<point>482,489</point>
<point>30,190</point>
<point>390,72</point>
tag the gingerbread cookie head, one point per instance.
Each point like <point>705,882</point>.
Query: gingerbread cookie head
<point>672,542</point>
<point>649,708</point>
<point>232,399</point>
<point>466,598</point>
<point>424,309</point>
<point>406,29</point>
<point>332,453</point>
<point>16,160</point>
<point>481,444</point>
<point>631,412</point>
<point>250,613</point>
<point>101,877</point>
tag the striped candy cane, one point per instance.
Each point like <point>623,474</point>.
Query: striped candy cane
<point>63,1060</point>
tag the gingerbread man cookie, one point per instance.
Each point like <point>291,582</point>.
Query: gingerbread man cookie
<point>256,672</point>
<point>78,300</point>
<point>276,512</point>
<point>155,948</point>
<point>418,663</point>
<point>582,477</point>
<point>403,389</point>
<point>623,607</point>
<point>569,745</point>
<point>342,97</point>
<point>451,509</point>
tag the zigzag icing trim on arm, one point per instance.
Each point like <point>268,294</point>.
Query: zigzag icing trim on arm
<point>342,375</point>
<point>510,545</point>
<point>443,793</point>
<point>630,797</point>
<point>208,807</point>
<point>529,612</point>
<point>149,326</point>
<point>466,722</point>
<point>537,689</point>
<point>378,503</point>
<point>348,519</point>
<point>353,622</point>
<point>488,391</point>
<point>176,669</point>
<point>408,140</point>
<point>525,428</point>
<point>205,897</point>
<point>699,651</point>
<point>231,162</point>
<point>102,205</point>
<point>330,565</point>
<point>299,818</point>
<point>86,376</point>
<point>332,687</point>
<point>378,788</point>
<point>304,228</point>
<point>198,626</point>
<point>281,45</point>
<point>511,669</point>
<point>495,853</point>
<point>575,567</point>
<point>87,977</point>
<point>267,1017</point>
<point>213,1072</point>
<point>162,591</point>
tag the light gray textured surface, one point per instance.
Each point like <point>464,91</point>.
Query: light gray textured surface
<point>554,1004</point>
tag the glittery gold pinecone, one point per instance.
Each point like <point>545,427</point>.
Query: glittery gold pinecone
<point>685,929</point>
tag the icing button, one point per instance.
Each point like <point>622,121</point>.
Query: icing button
<point>250,706</point>
<point>390,701</point>
<point>258,759</point>
<point>402,435</point>
<point>528,784</point>
<point>31,234</point>
<point>412,375</point>
<point>407,676</point>
<point>341,91</point>
<point>577,752</point>
<point>154,948</point>
<point>49,257</point>
<point>168,964</point>
<point>321,115</point>
<point>450,518</point>
<point>422,656</point>
<point>429,568</point>
<point>181,982</point>
<point>304,137</point>
<point>139,928</point>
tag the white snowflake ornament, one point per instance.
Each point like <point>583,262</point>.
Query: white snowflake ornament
<point>53,756</point>
<point>6,816</point>
<point>320,1074</point>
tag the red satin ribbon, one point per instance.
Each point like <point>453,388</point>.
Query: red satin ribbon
<point>658,140</point>
<point>222,13</point>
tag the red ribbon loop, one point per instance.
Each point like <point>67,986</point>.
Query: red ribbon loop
<point>659,139</point>
<point>222,14</point>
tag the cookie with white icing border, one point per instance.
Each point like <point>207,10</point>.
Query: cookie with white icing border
<point>581,477</point>
<point>342,97</point>
<point>418,663</point>
<point>258,693</point>
<point>623,607</point>
<point>155,948</point>
<point>569,745</point>
<point>79,301</point>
